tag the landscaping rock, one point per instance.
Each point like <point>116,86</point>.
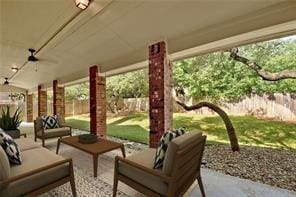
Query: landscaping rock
<point>276,167</point>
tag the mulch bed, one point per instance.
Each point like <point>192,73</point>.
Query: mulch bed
<point>276,167</point>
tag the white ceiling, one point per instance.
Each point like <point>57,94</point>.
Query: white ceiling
<point>115,34</point>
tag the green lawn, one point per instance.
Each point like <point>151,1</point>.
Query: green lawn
<point>249,130</point>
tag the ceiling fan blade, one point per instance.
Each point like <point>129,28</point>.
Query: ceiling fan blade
<point>48,60</point>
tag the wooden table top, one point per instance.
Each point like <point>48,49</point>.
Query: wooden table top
<point>100,147</point>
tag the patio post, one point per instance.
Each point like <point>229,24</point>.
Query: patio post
<point>58,100</point>
<point>160,92</point>
<point>42,101</point>
<point>97,101</point>
<point>29,106</point>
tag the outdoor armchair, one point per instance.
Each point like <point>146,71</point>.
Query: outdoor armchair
<point>44,134</point>
<point>181,168</point>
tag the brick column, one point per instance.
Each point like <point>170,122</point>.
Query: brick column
<point>42,101</point>
<point>29,107</point>
<point>59,100</point>
<point>160,92</point>
<point>97,100</point>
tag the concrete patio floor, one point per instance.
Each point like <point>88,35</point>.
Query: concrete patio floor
<point>215,183</point>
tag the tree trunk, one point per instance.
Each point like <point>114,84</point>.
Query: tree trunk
<point>222,114</point>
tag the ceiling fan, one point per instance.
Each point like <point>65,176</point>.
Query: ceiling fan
<point>31,57</point>
<point>6,82</point>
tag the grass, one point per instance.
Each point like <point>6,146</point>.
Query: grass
<point>249,130</point>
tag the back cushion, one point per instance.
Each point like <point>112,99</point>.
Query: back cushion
<point>174,146</point>
<point>4,165</point>
<point>61,121</point>
<point>38,123</point>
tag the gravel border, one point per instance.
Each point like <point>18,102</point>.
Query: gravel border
<point>276,167</point>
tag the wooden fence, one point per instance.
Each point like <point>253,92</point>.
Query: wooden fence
<point>279,107</point>
<point>76,107</point>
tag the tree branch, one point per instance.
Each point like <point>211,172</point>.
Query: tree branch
<point>268,76</point>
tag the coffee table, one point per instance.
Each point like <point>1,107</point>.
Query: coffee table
<point>95,149</point>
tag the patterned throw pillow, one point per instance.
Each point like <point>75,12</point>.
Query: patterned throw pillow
<point>50,122</point>
<point>11,148</point>
<point>163,146</point>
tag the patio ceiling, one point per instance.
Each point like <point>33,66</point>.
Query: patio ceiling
<point>115,34</point>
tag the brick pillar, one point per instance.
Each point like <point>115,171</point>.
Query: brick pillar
<point>29,107</point>
<point>42,101</point>
<point>97,100</point>
<point>59,100</point>
<point>160,92</point>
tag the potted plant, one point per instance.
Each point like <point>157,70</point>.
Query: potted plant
<point>9,123</point>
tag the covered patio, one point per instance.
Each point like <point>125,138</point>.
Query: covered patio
<point>216,184</point>
<point>70,45</point>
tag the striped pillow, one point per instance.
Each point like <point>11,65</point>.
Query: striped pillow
<point>163,146</point>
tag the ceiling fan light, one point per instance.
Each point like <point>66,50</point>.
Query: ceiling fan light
<point>82,4</point>
<point>14,69</point>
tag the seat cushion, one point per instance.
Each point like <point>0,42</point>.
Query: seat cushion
<point>57,132</point>
<point>32,160</point>
<point>174,146</point>
<point>26,144</point>
<point>144,158</point>
<point>4,165</point>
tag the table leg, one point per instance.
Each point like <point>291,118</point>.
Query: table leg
<point>58,146</point>
<point>123,151</point>
<point>95,163</point>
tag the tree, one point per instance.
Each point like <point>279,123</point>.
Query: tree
<point>215,77</point>
<point>77,92</point>
<point>128,85</point>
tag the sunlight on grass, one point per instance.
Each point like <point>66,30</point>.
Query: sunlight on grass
<point>249,130</point>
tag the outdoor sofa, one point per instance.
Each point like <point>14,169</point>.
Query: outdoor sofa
<point>41,170</point>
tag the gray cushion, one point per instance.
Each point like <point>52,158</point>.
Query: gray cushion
<point>174,146</point>
<point>144,158</point>
<point>38,124</point>
<point>32,160</point>
<point>26,144</point>
<point>60,120</point>
<point>4,165</point>
<point>57,132</point>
